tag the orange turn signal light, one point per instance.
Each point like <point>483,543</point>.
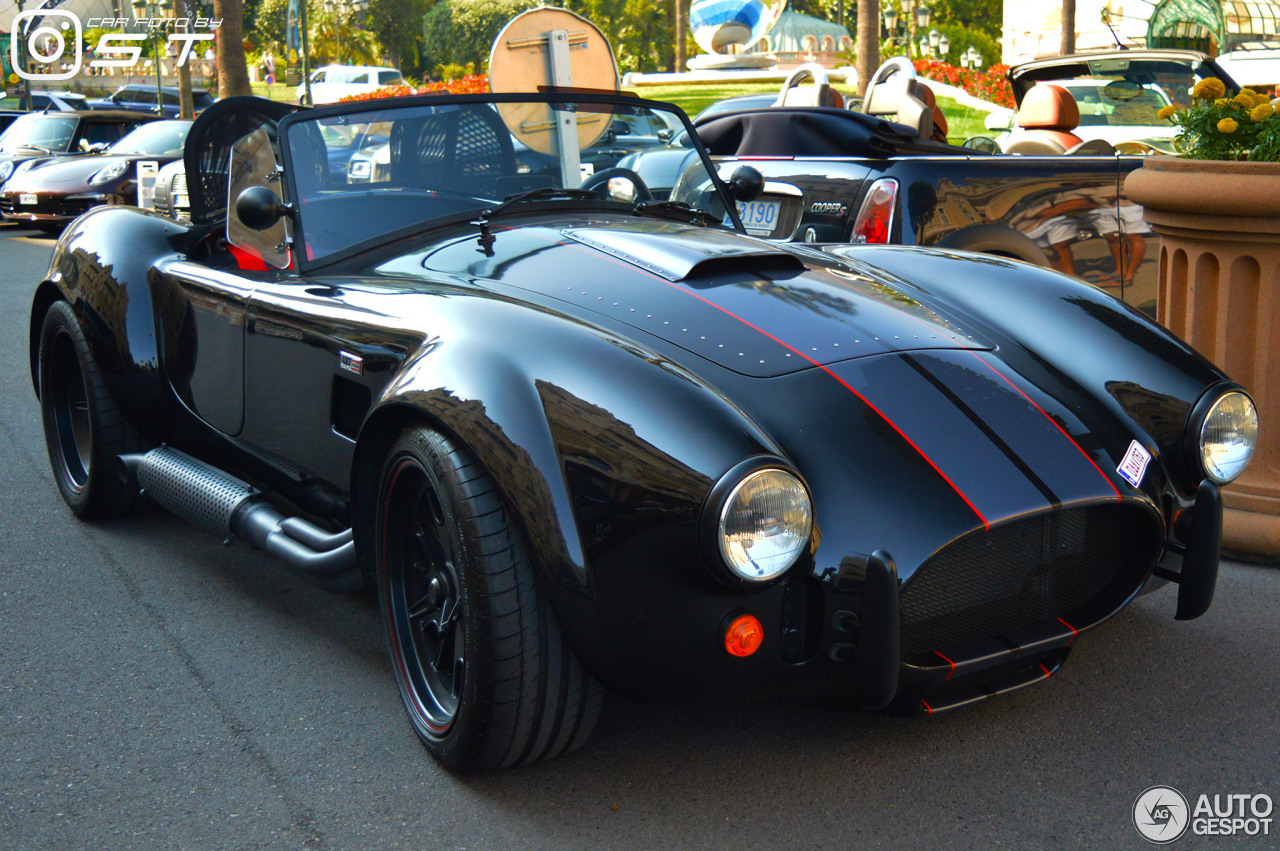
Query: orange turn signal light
<point>744,635</point>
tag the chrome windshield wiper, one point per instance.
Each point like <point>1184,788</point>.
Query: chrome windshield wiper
<point>676,210</point>
<point>41,148</point>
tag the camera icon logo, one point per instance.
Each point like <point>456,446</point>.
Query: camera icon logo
<point>45,33</point>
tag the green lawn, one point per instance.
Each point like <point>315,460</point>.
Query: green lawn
<point>277,91</point>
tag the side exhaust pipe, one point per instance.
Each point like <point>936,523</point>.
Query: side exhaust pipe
<point>209,497</point>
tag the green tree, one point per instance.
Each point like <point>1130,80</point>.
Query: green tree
<point>403,44</point>
<point>962,38</point>
<point>334,39</point>
<point>984,16</point>
<point>458,32</point>
<point>269,23</point>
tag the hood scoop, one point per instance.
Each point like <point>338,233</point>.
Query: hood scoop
<point>678,252</point>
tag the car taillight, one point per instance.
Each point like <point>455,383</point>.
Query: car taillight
<point>875,219</point>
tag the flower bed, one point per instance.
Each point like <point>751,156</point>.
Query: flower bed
<point>467,85</point>
<point>991,85</point>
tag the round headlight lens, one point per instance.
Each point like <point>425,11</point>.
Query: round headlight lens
<point>1228,436</point>
<point>6,169</point>
<point>765,525</point>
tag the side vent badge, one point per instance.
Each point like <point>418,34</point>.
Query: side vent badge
<point>351,363</point>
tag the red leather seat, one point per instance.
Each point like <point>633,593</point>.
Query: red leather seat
<point>1046,118</point>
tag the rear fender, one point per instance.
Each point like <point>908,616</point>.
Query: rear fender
<point>102,266</point>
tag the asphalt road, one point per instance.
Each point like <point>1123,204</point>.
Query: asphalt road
<point>159,690</point>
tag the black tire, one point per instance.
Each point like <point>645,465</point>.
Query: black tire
<point>483,669</point>
<point>84,430</point>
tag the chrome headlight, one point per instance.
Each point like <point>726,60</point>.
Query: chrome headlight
<point>108,173</point>
<point>6,169</point>
<point>764,525</point>
<point>361,169</point>
<point>1227,436</point>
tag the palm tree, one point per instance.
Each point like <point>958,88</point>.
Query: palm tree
<point>867,49</point>
<point>233,71</point>
<point>335,40</point>
<point>1068,26</point>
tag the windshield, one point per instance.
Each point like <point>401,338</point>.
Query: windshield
<point>371,172</point>
<point>50,132</point>
<point>157,139</point>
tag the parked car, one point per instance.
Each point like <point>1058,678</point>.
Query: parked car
<point>330,83</point>
<point>38,136</point>
<point>172,198</point>
<point>41,101</point>
<point>7,117</point>
<point>58,189</point>
<point>580,443</point>
<point>140,97</point>
<point>1117,94</point>
<point>837,176</point>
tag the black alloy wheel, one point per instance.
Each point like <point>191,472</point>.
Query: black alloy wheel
<point>485,676</point>
<point>84,429</point>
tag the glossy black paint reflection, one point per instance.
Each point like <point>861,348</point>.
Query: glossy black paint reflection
<point>923,396</point>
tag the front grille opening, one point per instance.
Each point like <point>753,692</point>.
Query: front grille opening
<point>1078,564</point>
<point>802,608</point>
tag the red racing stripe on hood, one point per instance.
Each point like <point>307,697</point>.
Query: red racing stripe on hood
<point>794,350</point>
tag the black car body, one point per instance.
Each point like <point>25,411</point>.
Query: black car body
<point>39,136</point>
<point>580,441</point>
<point>139,97</point>
<point>837,176</point>
<point>61,188</point>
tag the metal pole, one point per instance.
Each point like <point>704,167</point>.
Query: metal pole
<point>26,82</point>
<point>302,37</point>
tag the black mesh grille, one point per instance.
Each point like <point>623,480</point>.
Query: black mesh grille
<point>465,151</point>
<point>207,153</point>
<point>1023,573</point>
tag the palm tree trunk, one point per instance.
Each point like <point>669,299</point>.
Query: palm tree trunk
<point>1068,26</point>
<point>682,28</point>
<point>867,48</point>
<point>233,71</point>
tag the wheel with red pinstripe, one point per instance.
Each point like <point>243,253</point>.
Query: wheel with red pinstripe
<point>483,670</point>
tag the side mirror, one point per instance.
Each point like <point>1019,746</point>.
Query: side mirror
<point>746,184</point>
<point>259,208</point>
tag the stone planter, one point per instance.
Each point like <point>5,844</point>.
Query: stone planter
<point>1219,227</point>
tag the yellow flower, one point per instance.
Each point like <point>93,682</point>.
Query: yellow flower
<point>1228,125</point>
<point>1244,99</point>
<point>1259,100</point>
<point>1221,102</point>
<point>1166,111</point>
<point>1248,91</point>
<point>1261,112</point>
<point>1208,89</point>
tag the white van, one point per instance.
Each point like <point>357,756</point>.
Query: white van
<point>330,83</point>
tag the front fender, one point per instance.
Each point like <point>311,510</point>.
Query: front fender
<point>1067,337</point>
<point>576,425</point>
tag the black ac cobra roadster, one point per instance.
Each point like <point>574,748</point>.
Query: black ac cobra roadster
<point>580,437</point>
